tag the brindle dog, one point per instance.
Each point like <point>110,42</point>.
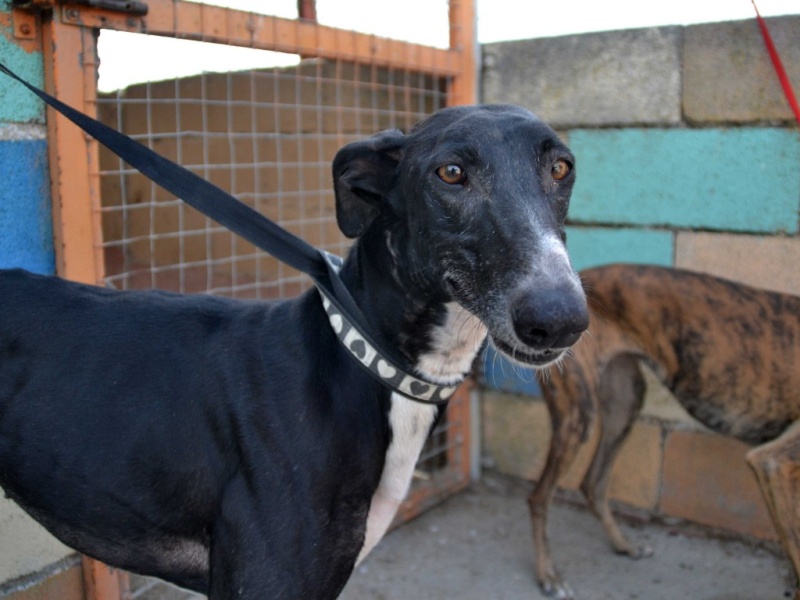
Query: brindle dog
<point>728,352</point>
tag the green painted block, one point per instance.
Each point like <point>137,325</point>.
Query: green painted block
<point>17,104</point>
<point>593,246</point>
<point>742,179</point>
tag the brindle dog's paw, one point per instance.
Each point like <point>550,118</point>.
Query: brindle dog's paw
<point>640,551</point>
<point>634,551</point>
<point>553,586</point>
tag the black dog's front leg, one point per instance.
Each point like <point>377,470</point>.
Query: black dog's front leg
<point>273,546</point>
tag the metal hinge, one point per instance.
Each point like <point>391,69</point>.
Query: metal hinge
<point>122,15</point>
<point>130,7</point>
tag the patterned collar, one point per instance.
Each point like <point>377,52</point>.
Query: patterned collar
<point>382,369</point>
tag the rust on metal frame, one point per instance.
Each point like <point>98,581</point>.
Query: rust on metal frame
<point>459,451</point>
<point>24,25</point>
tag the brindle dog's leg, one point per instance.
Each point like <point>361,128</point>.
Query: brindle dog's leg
<point>571,422</point>
<point>777,466</point>
<point>621,394</point>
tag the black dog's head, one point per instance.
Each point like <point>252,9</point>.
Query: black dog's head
<point>474,200</point>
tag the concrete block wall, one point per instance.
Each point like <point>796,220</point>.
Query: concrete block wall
<point>26,238</point>
<point>687,156</point>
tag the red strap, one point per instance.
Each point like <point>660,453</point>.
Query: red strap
<point>776,62</point>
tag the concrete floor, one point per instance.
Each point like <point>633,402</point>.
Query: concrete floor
<point>477,546</point>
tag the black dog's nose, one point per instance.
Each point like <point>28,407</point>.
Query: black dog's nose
<point>550,318</point>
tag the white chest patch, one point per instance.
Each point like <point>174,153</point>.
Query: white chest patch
<point>455,344</point>
<point>411,422</point>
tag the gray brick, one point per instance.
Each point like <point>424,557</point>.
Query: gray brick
<point>728,76</point>
<point>612,78</point>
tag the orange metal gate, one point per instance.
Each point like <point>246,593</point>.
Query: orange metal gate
<point>266,135</point>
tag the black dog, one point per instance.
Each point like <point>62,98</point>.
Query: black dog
<point>236,448</point>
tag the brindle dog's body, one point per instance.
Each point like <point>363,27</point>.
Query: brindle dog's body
<point>729,353</point>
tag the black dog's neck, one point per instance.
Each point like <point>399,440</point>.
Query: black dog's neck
<point>414,316</point>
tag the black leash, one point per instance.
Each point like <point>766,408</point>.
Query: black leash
<point>346,318</point>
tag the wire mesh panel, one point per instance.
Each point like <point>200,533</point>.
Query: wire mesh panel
<point>266,136</point>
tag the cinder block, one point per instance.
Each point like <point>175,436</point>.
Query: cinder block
<point>516,433</point>
<point>516,436</point>
<point>499,374</point>
<point>701,178</point>
<point>636,474</point>
<point>707,481</point>
<point>728,75</point>
<point>594,246</point>
<point>26,230</point>
<point>610,78</point>
<point>66,585</point>
<point>18,104</point>
<point>765,262</point>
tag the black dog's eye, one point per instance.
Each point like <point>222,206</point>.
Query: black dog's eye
<point>561,169</point>
<point>452,174</point>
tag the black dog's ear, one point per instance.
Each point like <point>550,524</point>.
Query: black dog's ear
<point>363,174</point>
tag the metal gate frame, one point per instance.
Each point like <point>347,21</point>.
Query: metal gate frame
<point>68,38</point>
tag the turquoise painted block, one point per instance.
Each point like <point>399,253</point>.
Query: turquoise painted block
<point>594,246</point>
<point>26,226</point>
<point>17,104</point>
<point>727,179</point>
